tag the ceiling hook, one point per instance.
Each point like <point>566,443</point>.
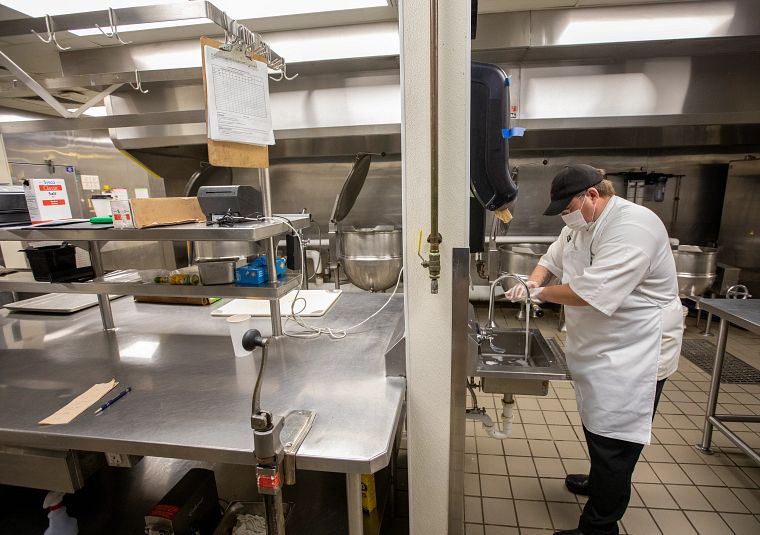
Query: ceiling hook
<point>284,74</point>
<point>114,28</point>
<point>137,86</point>
<point>50,34</point>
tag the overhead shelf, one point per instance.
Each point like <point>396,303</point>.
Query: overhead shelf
<point>128,283</point>
<point>252,231</point>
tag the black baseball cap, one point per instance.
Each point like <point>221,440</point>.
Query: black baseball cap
<point>572,180</point>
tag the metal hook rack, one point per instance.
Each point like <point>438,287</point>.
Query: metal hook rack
<point>114,33</point>
<point>137,86</point>
<point>50,34</point>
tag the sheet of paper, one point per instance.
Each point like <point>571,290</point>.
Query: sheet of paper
<point>80,404</point>
<point>237,99</point>
<point>142,193</point>
<point>90,182</point>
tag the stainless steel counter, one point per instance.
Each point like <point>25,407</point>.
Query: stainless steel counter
<point>252,231</point>
<point>744,313</point>
<point>191,397</point>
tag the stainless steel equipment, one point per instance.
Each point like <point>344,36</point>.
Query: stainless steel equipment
<point>696,269</point>
<point>13,207</point>
<point>205,251</point>
<point>371,257</point>
<point>743,313</point>
<point>217,271</point>
<point>520,259</point>
<point>739,239</point>
<point>217,201</point>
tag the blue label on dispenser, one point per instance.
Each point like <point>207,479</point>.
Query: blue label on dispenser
<point>515,131</point>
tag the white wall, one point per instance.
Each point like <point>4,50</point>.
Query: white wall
<point>428,317</point>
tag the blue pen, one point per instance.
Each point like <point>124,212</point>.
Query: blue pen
<point>110,402</point>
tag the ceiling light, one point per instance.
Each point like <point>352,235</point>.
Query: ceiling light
<point>234,8</point>
<point>707,22</point>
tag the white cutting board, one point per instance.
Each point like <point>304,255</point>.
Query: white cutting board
<point>57,303</point>
<point>318,302</point>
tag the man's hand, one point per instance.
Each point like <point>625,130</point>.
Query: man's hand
<point>517,292</point>
<point>535,295</point>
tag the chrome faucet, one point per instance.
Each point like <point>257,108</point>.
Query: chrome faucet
<point>491,325</point>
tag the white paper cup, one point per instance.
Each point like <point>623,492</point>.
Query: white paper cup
<point>238,325</point>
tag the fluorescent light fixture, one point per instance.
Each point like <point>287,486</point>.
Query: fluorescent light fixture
<point>320,44</point>
<point>140,350</point>
<point>236,9</point>
<point>146,26</point>
<point>40,8</point>
<point>706,21</point>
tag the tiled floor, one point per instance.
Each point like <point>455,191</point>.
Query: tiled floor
<point>516,486</point>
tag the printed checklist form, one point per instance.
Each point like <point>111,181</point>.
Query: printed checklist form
<point>237,99</point>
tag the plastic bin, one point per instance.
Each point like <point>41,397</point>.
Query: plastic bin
<point>53,263</point>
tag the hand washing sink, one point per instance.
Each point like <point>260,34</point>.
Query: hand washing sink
<point>500,362</point>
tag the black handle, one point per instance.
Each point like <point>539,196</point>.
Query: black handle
<point>538,311</point>
<point>252,339</point>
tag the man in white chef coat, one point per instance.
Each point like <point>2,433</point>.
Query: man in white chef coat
<point>624,329</point>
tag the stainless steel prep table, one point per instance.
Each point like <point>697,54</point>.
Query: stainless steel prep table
<point>191,397</point>
<point>744,313</point>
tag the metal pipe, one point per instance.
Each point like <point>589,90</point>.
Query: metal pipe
<point>354,504</point>
<point>733,437</point>
<point>104,303</point>
<point>434,239</point>
<point>492,324</point>
<point>712,401</point>
<point>753,418</point>
<point>256,400</point>
<point>271,250</point>
<point>275,514</point>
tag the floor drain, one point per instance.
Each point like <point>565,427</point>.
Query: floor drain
<point>735,370</point>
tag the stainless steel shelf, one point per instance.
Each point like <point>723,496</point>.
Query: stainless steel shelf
<point>254,231</point>
<point>128,283</point>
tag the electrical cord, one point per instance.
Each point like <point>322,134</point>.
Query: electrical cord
<point>312,331</point>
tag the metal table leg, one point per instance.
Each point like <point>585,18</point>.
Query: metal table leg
<point>103,301</point>
<point>354,503</point>
<point>712,401</point>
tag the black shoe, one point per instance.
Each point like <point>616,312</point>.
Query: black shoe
<point>577,484</point>
<point>575,531</point>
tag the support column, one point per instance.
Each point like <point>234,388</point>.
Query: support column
<point>429,316</point>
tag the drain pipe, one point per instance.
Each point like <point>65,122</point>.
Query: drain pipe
<point>507,418</point>
<point>434,239</point>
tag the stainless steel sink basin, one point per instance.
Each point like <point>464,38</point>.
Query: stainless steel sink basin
<point>503,357</point>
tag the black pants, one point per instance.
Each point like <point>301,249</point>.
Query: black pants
<point>612,464</point>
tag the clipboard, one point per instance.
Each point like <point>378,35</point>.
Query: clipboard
<point>228,153</point>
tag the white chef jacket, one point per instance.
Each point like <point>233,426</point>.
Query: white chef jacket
<point>630,335</point>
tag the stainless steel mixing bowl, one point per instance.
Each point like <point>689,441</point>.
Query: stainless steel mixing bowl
<point>371,257</point>
<point>520,262</point>
<point>696,270</point>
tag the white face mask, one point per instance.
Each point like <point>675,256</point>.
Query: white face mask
<point>575,219</point>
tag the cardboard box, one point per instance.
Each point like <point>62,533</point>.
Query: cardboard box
<point>47,199</point>
<point>143,213</point>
